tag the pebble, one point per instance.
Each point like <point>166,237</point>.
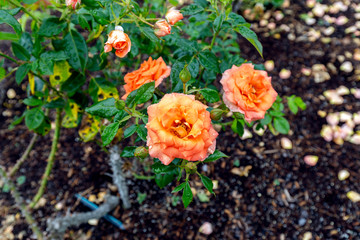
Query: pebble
<point>343,174</point>
<point>284,73</point>
<point>93,222</point>
<point>269,65</point>
<point>328,31</point>
<point>342,20</point>
<point>347,67</point>
<point>206,228</point>
<point>11,93</point>
<point>311,160</point>
<point>286,143</point>
<point>353,196</point>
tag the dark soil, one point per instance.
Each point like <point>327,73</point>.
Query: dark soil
<point>282,197</point>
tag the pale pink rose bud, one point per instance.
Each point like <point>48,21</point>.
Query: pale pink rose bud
<point>327,133</point>
<point>73,3</point>
<point>206,228</point>
<point>333,119</point>
<point>311,160</point>
<point>162,28</point>
<point>173,16</point>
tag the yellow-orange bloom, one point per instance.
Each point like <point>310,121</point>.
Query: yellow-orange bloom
<point>248,91</point>
<point>180,127</point>
<point>120,41</point>
<point>149,71</point>
<point>173,16</point>
<point>162,28</point>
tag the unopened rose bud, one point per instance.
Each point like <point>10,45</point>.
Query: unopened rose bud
<point>141,152</point>
<point>120,104</point>
<point>216,114</point>
<point>190,167</point>
<point>173,16</point>
<point>73,3</point>
<point>162,28</point>
<point>185,75</point>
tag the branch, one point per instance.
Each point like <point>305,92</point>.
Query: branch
<point>118,176</point>
<point>20,204</point>
<point>24,156</point>
<point>51,159</point>
<point>58,226</point>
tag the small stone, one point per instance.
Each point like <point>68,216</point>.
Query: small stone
<point>355,139</point>
<point>356,118</point>
<point>328,31</point>
<point>353,196</point>
<point>345,116</point>
<point>342,90</point>
<point>351,29</point>
<point>321,113</point>
<point>357,54</point>
<point>310,21</point>
<point>11,93</point>
<point>279,15</point>
<point>332,67</point>
<point>284,73</point>
<point>206,228</point>
<point>306,71</point>
<point>93,222</point>
<point>319,10</point>
<point>263,22</point>
<point>311,160</point>
<point>325,40</point>
<point>271,26</point>
<point>286,143</point>
<point>355,92</point>
<point>59,206</point>
<point>347,67</point>
<point>215,184</point>
<point>333,119</point>
<point>247,134</point>
<point>260,131</point>
<point>310,3</point>
<point>307,236</point>
<point>40,203</point>
<point>291,36</point>
<point>327,133</point>
<point>269,65</point>
<point>329,19</point>
<point>92,198</point>
<point>343,174</point>
<point>341,58</point>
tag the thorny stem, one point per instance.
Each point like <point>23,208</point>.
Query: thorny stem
<point>142,20</point>
<point>21,205</point>
<point>24,156</point>
<point>51,159</point>
<point>8,57</point>
<point>16,3</point>
<point>142,177</point>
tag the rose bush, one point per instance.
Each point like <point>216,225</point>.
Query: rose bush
<point>169,105</point>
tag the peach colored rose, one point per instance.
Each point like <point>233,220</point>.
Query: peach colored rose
<point>162,28</point>
<point>180,127</point>
<point>120,41</point>
<point>173,16</point>
<point>150,70</point>
<point>73,3</point>
<point>248,91</point>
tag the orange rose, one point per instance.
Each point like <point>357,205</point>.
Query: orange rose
<point>180,127</point>
<point>150,70</point>
<point>162,28</point>
<point>120,41</point>
<point>73,3</point>
<point>173,16</point>
<point>248,91</point>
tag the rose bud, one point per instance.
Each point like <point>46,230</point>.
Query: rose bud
<point>73,3</point>
<point>120,104</point>
<point>141,152</point>
<point>118,40</point>
<point>173,16</point>
<point>162,28</point>
<point>185,75</point>
<point>216,114</point>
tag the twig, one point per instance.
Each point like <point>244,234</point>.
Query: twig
<point>21,205</point>
<point>8,57</point>
<point>24,156</point>
<point>51,159</point>
<point>118,176</point>
<point>58,226</point>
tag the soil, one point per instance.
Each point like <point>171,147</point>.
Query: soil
<point>281,198</point>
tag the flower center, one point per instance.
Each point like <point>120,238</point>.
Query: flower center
<point>180,128</point>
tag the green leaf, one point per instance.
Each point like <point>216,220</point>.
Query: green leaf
<point>193,68</point>
<point>141,95</point>
<point>179,188</point>
<point>210,95</point>
<point>109,133</point>
<point>176,84</point>
<point>26,41</point>
<point>83,21</point>
<point>187,196</point>
<point>158,167</point>
<point>22,72</point>
<point>104,109</point>
<point>238,127</point>
<point>281,125</point>
<point>163,180</point>
<point>215,156</point>
<point>236,19</point>
<point>32,101</point>
<point>130,131</point>
<point>75,48</point>
<point>207,183</point>
<point>218,22</point>
<point>250,35</point>
<point>2,73</point>
<point>191,9</point>
<point>34,118</point>
<point>141,197</point>
<point>8,36</point>
<point>300,103</point>
<point>57,103</point>
<point>20,180</point>
<point>266,120</point>
<point>73,83</point>
<point>20,52</point>
<point>292,105</point>
<point>149,33</point>
<point>209,61</point>
<point>6,187</point>
<point>128,151</point>
<point>142,132</point>
<point>51,26</point>
<point>7,18</point>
